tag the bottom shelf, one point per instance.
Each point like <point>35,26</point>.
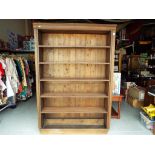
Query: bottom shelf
<point>77,123</point>
<point>74,131</point>
<point>74,127</point>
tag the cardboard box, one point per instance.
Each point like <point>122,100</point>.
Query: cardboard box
<point>137,93</point>
<point>116,83</point>
<point>127,85</point>
<point>134,62</point>
<point>134,102</point>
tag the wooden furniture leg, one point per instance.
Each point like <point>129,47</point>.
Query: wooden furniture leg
<point>118,100</point>
<point>119,106</point>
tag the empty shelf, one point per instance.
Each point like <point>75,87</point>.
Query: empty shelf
<point>49,46</point>
<point>74,127</point>
<point>75,121</point>
<point>73,110</point>
<point>81,95</point>
<point>81,62</point>
<point>73,79</point>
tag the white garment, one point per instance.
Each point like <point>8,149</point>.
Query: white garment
<point>3,64</point>
<point>2,85</point>
<point>9,88</point>
<point>12,74</point>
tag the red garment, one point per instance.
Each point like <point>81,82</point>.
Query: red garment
<point>20,89</point>
<point>1,70</point>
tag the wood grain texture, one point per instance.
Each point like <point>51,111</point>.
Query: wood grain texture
<point>77,62</point>
<point>74,131</point>
<point>81,95</point>
<point>74,79</point>
<point>38,78</point>
<point>73,110</point>
<point>74,27</point>
<point>65,102</point>
<point>77,121</point>
<point>78,46</point>
<point>111,71</point>
<point>74,65</point>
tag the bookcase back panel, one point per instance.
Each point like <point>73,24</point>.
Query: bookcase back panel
<point>74,71</point>
<point>60,39</point>
<point>75,55</point>
<point>72,87</point>
<point>74,121</point>
<point>74,115</point>
<point>73,102</point>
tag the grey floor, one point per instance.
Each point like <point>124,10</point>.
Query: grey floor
<point>23,121</point>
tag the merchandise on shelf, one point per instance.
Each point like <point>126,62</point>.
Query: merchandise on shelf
<point>146,121</point>
<point>13,40</point>
<point>17,43</point>
<point>150,111</point>
<point>143,59</point>
<point>128,84</point>
<point>134,62</point>
<point>28,44</point>
<point>116,68</point>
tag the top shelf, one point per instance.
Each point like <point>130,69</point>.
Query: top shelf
<point>49,46</point>
<point>16,51</point>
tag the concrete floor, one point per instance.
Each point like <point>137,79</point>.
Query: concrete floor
<point>23,121</point>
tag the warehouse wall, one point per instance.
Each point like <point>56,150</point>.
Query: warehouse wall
<point>19,26</point>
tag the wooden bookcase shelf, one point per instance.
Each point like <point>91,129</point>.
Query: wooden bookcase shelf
<point>81,95</point>
<point>73,110</point>
<point>82,62</point>
<point>74,73</point>
<point>74,79</point>
<point>74,127</point>
<point>49,46</point>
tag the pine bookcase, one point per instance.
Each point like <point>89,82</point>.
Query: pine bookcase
<point>74,74</point>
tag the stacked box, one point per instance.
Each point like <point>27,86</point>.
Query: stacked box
<point>125,88</point>
<point>137,93</point>
<point>134,102</point>
<point>146,121</point>
<point>136,96</point>
<point>127,85</point>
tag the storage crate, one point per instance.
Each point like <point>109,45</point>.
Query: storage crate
<point>146,121</point>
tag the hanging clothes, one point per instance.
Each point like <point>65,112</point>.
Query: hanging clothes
<point>3,87</point>
<point>11,73</point>
<point>15,79</point>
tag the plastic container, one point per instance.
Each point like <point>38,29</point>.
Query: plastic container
<point>150,110</point>
<point>145,120</point>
